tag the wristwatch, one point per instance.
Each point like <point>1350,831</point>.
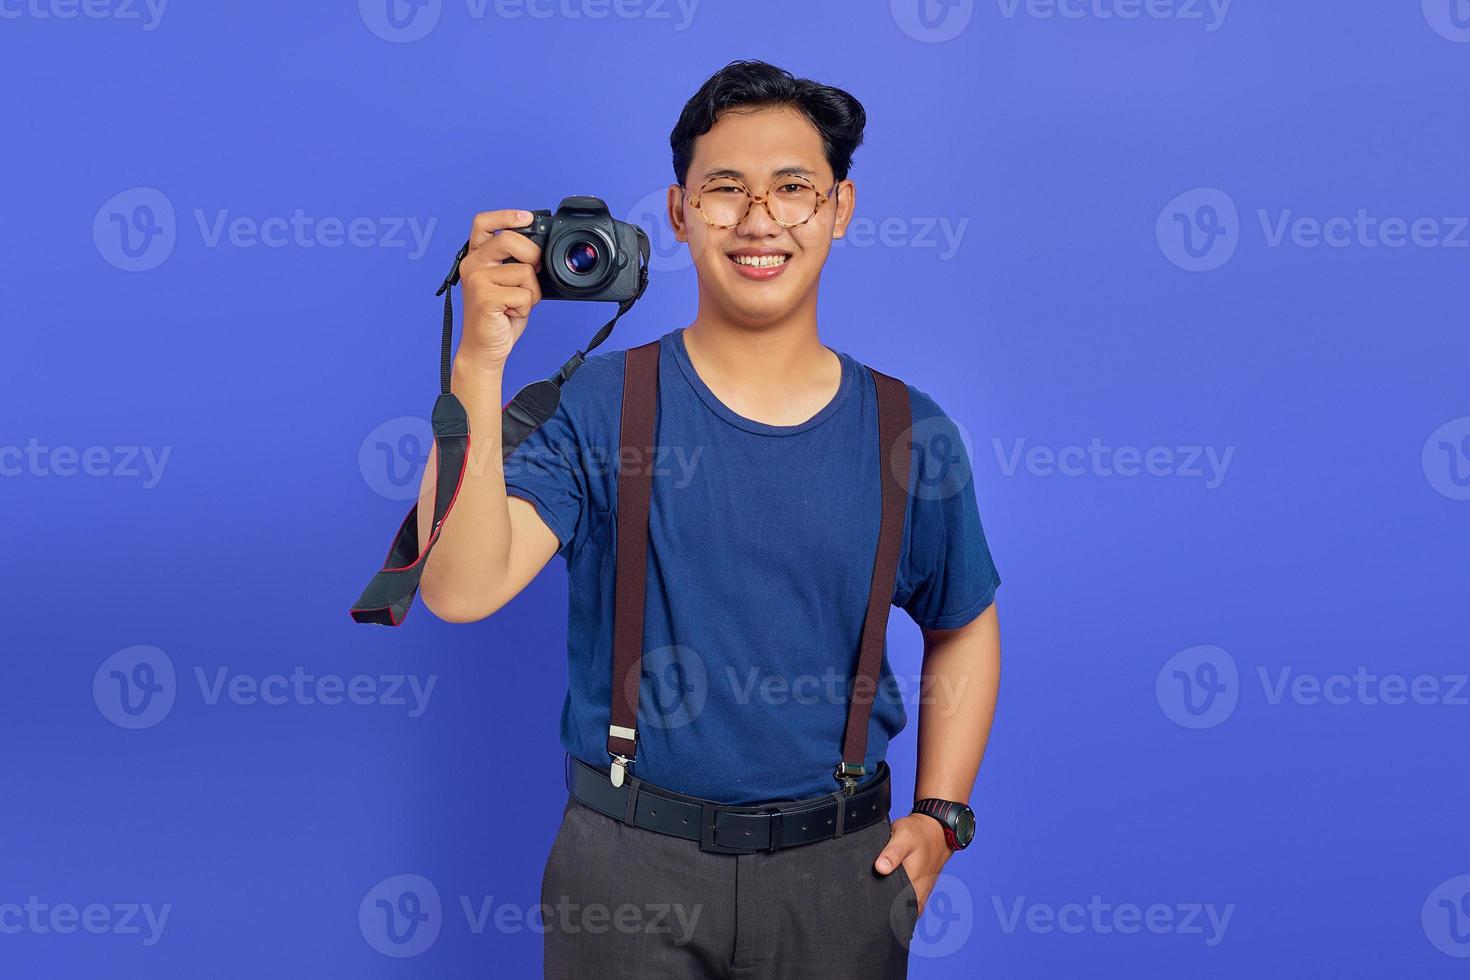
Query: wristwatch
<point>957,819</point>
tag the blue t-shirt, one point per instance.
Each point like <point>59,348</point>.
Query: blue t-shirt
<point>760,559</point>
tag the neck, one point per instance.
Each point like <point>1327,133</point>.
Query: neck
<point>775,371</point>
<point>771,355</point>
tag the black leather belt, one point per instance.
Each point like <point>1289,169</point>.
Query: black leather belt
<point>723,828</point>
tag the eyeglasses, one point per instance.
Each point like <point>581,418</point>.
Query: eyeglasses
<point>724,202</point>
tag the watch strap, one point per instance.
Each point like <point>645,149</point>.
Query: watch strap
<point>947,812</point>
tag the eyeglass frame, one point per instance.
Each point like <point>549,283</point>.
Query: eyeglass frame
<point>751,200</point>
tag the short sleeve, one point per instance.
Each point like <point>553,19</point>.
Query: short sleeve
<point>545,469</point>
<point>947,576</point>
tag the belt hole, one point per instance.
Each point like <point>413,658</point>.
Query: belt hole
<point>686,820</point>
<point>653,813</point>
<point>829,821</point>
<point>803,826</point>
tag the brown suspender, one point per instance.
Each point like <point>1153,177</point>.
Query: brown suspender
<point>893,469</point>
<point>635,490</point>
<point>635,486</point>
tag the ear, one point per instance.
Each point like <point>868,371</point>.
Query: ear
<point>676,213</point>
<point>845,197</point>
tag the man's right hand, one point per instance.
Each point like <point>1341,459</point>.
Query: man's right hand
<point>498,295</point>
<point>490,546</point>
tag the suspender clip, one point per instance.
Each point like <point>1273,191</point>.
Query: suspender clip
<point>848,773</point>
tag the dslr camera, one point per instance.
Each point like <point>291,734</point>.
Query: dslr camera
<point>586,253</point>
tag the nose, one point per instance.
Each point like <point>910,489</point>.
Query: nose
<point>758,222</point>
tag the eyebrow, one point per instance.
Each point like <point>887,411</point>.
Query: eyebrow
<point>783,172</point>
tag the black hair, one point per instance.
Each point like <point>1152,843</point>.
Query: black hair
<point>837,116</point>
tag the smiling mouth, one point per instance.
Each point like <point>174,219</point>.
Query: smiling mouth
<point>760,261</point>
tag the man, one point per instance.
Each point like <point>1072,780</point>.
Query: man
<point>764,514</point>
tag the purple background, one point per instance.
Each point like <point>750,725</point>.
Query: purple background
<point>1070,307</point>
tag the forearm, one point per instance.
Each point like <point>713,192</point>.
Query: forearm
<point>473,551</point>
<point>957,705</point>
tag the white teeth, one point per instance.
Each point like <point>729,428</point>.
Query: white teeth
<point>760,261</point>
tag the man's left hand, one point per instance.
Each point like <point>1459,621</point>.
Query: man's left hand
<point>917,842</point>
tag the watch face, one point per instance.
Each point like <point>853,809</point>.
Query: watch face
<point>965,827</point>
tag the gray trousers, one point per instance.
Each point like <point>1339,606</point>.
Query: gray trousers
<point>624,902</point>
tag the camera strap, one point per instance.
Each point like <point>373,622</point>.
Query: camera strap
<point>387,598</point>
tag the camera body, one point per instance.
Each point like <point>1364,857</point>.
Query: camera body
<point>586,253</point>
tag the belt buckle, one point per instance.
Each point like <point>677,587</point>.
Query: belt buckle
<point>707,814</point>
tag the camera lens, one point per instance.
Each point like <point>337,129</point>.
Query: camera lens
<point>581,257</point>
